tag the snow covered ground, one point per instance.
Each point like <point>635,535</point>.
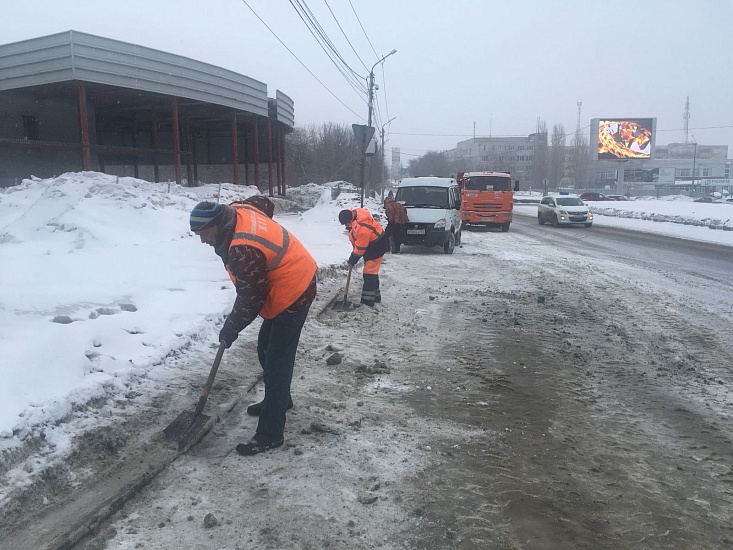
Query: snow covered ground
<point>102,281</point>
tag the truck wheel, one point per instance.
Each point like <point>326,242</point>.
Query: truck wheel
<point>540,220</point>
<point>449,246</point>
<point>505,227</point>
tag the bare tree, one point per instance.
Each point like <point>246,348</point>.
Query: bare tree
<point>580,159</point>
<point>321,154</point>
<point>431,163</point>
<point>539,154</point>
<point>557,154</point>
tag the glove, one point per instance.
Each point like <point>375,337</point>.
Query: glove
<point>353,259</point>
<point>227,335</point>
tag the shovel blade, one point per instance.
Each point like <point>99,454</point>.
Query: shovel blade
<point>342,305</point>
<point>187,429</point>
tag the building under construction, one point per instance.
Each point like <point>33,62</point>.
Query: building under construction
<point>74,101</point>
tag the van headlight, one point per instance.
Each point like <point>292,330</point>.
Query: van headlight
<point>440,224</point>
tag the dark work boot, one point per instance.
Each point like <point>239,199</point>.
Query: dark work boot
<point>258,444</point>
<point>256,408</point>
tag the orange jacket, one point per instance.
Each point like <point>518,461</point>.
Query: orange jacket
<point>365,233</point>
<point>290,268</point>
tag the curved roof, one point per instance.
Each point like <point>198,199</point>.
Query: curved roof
<point>76,56</point>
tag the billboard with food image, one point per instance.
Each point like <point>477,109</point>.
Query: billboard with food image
<point>625,138</point>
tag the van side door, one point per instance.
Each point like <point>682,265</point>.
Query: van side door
<point>454,194</point>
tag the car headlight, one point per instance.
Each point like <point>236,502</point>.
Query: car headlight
<point>590,215</point>
<point>562,212</point>
<point>440,224</point>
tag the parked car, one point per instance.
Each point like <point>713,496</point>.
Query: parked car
<point>618,197</point>
<point>705,199</point>
<point>564,210</point>
<point>595,197</point>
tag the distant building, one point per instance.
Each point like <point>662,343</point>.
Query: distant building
<point>500,154</point>
<point>670,169</point>
<point>521,157</point>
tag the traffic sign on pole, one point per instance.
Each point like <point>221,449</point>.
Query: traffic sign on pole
<point>364,135</point>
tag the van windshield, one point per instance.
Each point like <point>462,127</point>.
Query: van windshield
<point>488,183</point>
<point>423,197</point>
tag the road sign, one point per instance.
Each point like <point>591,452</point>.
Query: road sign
<point>364,135</point>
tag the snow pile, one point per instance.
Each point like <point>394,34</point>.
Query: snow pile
<point>101,281</point>
<point>711,215</point>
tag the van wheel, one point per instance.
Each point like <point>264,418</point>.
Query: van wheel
<point>505,227</point>
<point>540,220</point>
<point>450,245</point>
<point>459,236</point>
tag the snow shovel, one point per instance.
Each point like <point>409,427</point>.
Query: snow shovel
<point>344,305</point>
<point>189,427</point>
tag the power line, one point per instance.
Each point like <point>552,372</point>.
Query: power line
<point>321,37</point>
<point>362,28</point>
<point>299,61</point>
<point>346,37</point>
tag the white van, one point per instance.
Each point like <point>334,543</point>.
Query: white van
<point>434,210</point>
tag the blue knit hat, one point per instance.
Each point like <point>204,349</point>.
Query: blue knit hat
<point>204,215</point>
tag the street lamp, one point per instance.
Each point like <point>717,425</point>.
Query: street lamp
<point>694,158</point>
<point>371,85</point>
<point>371,105</point>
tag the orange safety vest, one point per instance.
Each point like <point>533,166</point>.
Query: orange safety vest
<point>364,230</point>
<point>290,268</point>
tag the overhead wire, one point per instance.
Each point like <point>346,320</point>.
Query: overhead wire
<point>362,28</point>
<point>321,37</point>
<point>299,61</point>
<point>345,36</point>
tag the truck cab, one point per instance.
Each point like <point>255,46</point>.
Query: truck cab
<point>487,199</point>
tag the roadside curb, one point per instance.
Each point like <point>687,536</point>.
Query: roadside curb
<point>90,522</point>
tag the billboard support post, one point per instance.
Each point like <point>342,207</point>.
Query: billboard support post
<point>620,179</point>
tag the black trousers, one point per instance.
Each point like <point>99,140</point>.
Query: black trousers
<point>277,343</point>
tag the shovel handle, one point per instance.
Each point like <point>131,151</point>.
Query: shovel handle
<point>210,381</point>
<point>348,279</point>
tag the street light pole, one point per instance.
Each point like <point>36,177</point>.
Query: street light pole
<point>370,96</point>
<point>383,125</point>
<point>694,158</point>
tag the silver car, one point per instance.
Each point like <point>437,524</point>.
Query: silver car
<point>564,210</point>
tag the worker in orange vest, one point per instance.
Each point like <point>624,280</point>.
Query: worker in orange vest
<point>275,277</point>
<point>369,242</point>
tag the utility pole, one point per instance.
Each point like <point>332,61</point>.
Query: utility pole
<point>369,118</point>
<point>383,125</point>
<point>694,158</point>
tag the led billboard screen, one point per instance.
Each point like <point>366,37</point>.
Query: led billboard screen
<point>625,138</point>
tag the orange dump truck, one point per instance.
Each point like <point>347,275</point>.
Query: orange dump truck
<point>487,198</point>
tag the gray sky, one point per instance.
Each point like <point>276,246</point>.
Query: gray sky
<point>498,65</point>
